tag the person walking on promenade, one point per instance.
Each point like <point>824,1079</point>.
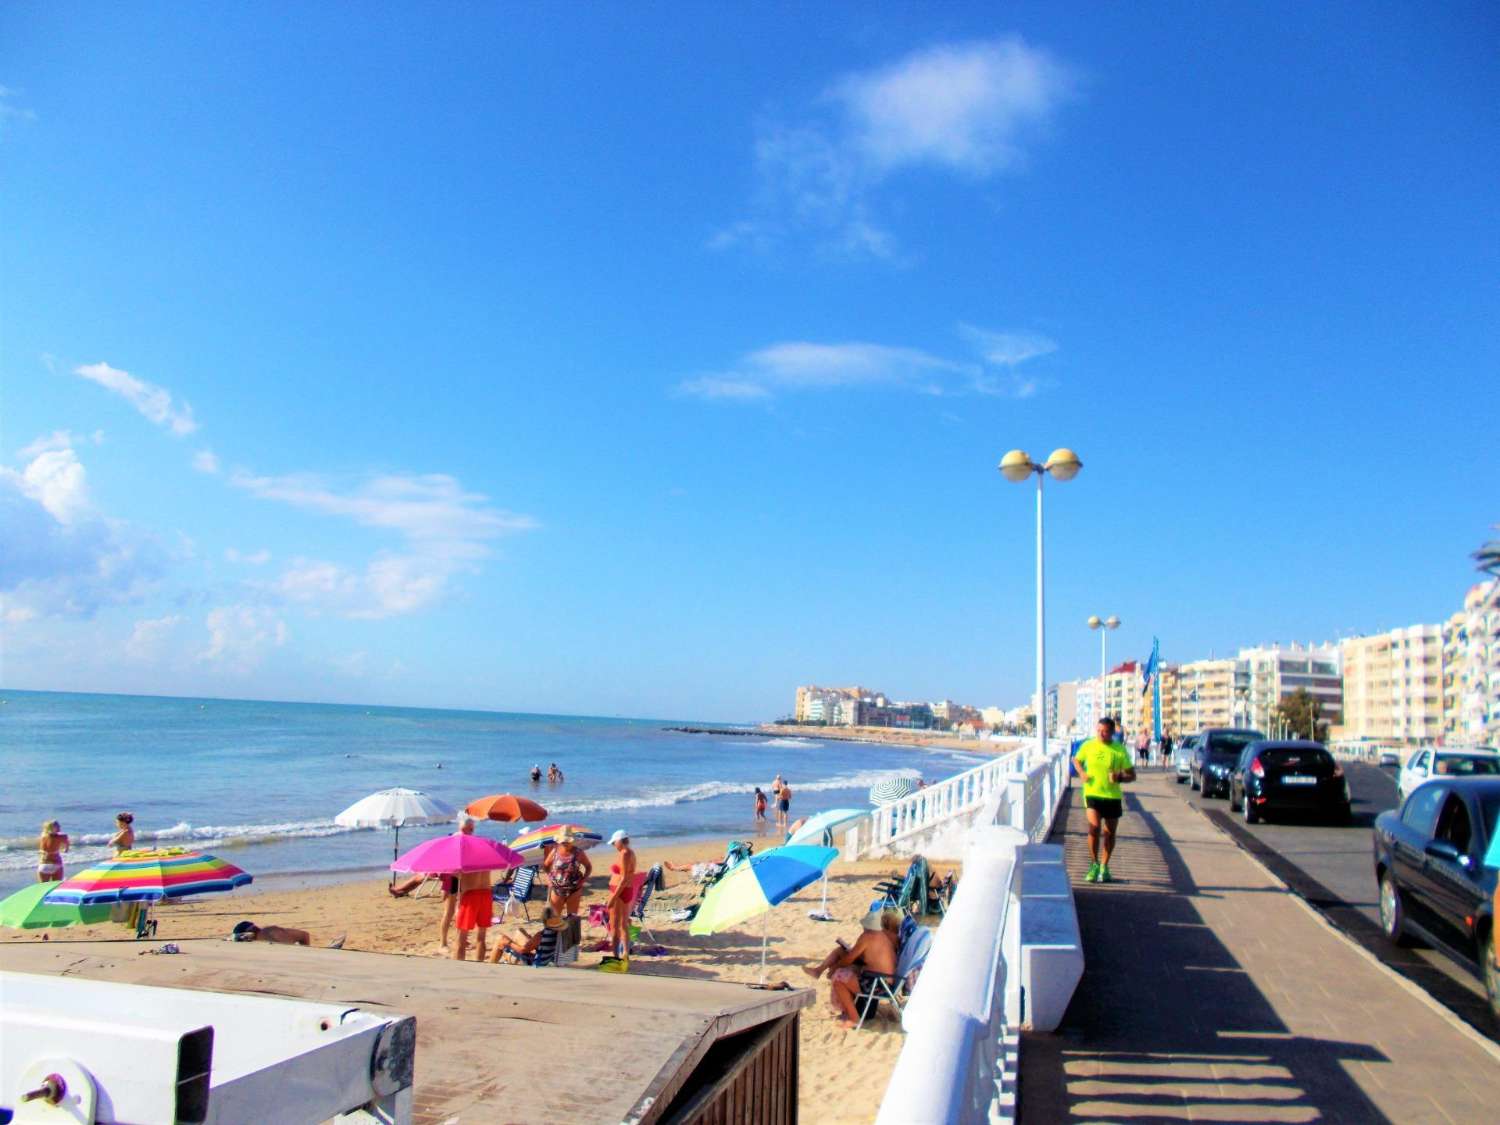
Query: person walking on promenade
<point>1143,748</point>
<point>1103,765</point>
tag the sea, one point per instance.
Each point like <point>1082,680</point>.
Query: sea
<point>259,783</point>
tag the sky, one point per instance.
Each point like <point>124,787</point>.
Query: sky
<point>652,360</point>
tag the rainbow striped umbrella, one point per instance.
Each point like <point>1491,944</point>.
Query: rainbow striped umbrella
<point>149,875</point>
<point>539,838</point>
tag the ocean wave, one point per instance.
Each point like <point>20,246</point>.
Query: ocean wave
<point>20,852</point>
<point>796,743</point>
<point>710,789</point>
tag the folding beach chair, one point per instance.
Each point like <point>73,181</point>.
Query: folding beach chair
<point>875,987</point>
<point>517,892</point>
<point>645,887</point>
<point>911,890</point>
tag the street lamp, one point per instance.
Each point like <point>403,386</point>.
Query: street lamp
<point>1104,625</point>
<point>1015,467</point>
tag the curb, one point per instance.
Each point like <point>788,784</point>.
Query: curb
<point>1454,1021</point>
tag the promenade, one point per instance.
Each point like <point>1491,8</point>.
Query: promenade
<point>1211,993</point>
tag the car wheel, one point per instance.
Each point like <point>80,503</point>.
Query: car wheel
<point>1181,780</point>
<point>1487,953</point>
<point>1234,806</point>
<point>1251,816</point>
<point>1194,783</point>
<point>1392,911</point>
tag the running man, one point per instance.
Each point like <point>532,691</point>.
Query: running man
<point>1102,764</point>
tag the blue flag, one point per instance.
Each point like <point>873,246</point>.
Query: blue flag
<point>1150,669</point>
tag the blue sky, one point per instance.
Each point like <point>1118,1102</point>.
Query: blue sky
<point>652,360</point>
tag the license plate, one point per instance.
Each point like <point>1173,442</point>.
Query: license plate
<point>1298,779</point>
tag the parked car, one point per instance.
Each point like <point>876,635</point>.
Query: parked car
<point>1429,862</point>
<point>1275,777</point>
<point>1436,761</point>
<point>1389,756</point>
<point>1217,753</point>
<point>1182,758</point>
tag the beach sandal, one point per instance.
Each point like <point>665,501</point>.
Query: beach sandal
<point>338,942</point>
<point>614,965</point>
<point>771,986</point>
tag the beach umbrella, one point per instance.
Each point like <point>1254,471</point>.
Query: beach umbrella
<point>889,790</point>
<point>396,808</point>
<point>458,854</point>
<point>758,884</point>
<point>25,910</point>
<point>506,806</point>
<point>538,839</point>
<point>818,829</point>
<point>147,876</point>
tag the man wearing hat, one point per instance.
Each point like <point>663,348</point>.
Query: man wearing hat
<point>874,952</point>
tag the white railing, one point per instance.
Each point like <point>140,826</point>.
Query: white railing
<point>1004,783</point>
<point>958,1062</point>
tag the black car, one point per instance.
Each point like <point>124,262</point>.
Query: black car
<point>1288,777</point>
<point>1217,753</point>
<point>1429,862</point>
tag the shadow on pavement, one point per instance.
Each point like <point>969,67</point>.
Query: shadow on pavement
<point>1165,1025</point>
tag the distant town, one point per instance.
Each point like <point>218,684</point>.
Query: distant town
<point>1420,684</point>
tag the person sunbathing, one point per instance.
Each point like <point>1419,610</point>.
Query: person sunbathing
<point>278,935</point>
<point>518,951</point>
<point>874,952</point>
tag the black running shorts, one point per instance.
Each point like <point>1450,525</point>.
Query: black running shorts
<point>1109,808</point>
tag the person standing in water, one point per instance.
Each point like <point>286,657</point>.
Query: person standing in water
<point>124,838</point>
<point>50,846</point>
<point>760,810</point>
<point>783,805</point>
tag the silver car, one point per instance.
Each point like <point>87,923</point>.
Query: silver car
<point>1182,758</point>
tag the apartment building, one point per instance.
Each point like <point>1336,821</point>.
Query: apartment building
<point>1471,669</point>
<point>1122,697</point>
<point>1205,695</point>
<point>1267,675</point>
<point>1394,685</point>
<point>1062,708</point>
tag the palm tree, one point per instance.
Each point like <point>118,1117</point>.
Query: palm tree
<point>1488,557</point>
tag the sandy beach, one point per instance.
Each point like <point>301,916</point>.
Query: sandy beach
<point>843,1073</point>
<point>889,736</point>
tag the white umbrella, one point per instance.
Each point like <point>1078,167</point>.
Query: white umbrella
<point>394,808</point>
<point>818,829</point>
<point>889,790</point>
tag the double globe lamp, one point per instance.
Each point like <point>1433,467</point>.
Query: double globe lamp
<point>1015,467</point>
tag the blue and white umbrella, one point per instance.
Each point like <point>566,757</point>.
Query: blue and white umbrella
<point>889,790</point>
<point>818,829</point>
<point>757,885</point>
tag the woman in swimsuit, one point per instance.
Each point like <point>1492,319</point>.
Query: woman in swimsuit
<point>124,838</point>
<point>50,846</point>
<point>621,892</point>
<point>567,868</point>
<point>760,807</point>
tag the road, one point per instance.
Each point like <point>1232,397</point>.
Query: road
<point>1332,868</point>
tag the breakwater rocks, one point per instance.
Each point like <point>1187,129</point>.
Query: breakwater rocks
<point>741,731</point>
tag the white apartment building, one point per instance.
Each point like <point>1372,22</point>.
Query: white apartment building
<point>1062,708</point>
<point>1471,669</point>
<point>1205,695</point>
<point>1266,675</point>
<point>1122,697</point>
<point>1393,685</point>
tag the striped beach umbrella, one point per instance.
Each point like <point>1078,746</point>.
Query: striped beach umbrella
<point>149,875</point>
<point>538,839</point>
<point>889,790</point>
<point>757,885</point>
<point>25,910</point>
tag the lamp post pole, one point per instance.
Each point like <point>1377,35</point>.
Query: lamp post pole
<point>1016,466</point>
<point>1104,625</point>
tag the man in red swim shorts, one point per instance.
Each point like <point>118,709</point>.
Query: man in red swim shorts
<point>475,907</point>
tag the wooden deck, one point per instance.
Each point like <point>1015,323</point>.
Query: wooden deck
<point>494,1043</point>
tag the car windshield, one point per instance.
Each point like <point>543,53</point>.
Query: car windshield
<point>1230,745</point>
<point>1468,765</point>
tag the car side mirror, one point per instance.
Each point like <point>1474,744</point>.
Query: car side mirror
<point>1442,849</point>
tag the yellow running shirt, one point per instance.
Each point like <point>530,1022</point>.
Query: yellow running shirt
<point>1097,760</point>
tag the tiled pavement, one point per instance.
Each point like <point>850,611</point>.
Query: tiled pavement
<point>1211,994</point>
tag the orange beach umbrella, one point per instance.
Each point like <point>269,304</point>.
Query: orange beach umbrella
<point>506,806</point>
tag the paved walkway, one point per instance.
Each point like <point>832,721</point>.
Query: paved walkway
<point>1212,994</point>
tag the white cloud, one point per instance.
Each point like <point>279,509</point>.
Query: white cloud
<point>446,529</point>
<point>802,365</point>
<point>251,558</point>
<point>152,402</point>
<point>965,108</point>
<point>61,557</point>
<point>58,439</point>
<point>206,461</point>
<point>239,636</point>
<point>10,111</point>
<point>148,640</point>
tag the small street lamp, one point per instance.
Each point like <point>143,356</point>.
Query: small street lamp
<point>1015,467</point>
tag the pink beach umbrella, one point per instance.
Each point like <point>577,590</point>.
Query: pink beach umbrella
<point>458,854</point>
